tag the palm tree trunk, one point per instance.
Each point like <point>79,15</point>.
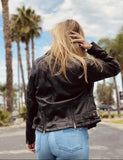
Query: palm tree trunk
<point>104,83</point>
<point>107,99</point>
<point>28,58</point>
<point>21,67</point>
<point>122,78</point>
<point>32,40</point>
<point>4,99</point>
<point>117,97</point>
<point>109,112</point>
<point>21,96</point>
<point>7,39</point>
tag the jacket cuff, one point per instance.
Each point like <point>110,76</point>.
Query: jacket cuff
<point>97,51</point>
<point>91,50</point>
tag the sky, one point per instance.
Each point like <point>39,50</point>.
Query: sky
<point>98,18</point>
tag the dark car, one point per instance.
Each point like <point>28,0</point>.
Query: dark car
<point>103,107</point>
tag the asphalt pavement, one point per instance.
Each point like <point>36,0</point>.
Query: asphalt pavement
<point>106,142</point>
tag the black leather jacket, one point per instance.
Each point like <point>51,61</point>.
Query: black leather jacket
<point>54,103</point>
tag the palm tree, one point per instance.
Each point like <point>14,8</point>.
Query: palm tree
<point>106,95</point>
<point>117,97</point>
<point>25,26</point>
<point>15,28</point>
<point>7,39</point>
<point>24,31</point>
<point>29,29</point>
<point>4,98</point>
<point>34,29</point>
<point>21,94</point>
<point>25,38</point>
<point>3,93</point>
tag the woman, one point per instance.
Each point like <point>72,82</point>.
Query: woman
<point>60,103</point>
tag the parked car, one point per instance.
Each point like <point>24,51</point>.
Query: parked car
<point>121,107</point>
<point>114,108</point>
<point>103,107</point>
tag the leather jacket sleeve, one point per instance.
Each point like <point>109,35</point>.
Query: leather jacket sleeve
<point>110,66</point>
<point>31,109</point>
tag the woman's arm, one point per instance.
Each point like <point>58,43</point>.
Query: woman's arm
<point>110,66</point>
<point>32,107</point>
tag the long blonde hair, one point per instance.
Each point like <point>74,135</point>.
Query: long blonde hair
<point>63,50</point>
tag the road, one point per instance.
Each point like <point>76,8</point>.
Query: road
<point>105,143</point>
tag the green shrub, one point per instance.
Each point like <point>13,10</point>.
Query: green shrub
<point>105,114</point>
<point>5,117</point>
<point>102,114</point>
<point>113,115</point>
<point>23,112</point>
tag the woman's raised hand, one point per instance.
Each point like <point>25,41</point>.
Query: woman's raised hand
<point>77,38</point>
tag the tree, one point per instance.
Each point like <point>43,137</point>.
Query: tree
<point>118,50</point>
<point>115,48</point>
<point>3,93</point>
<point>15,27</point>
<point>7,39</point>
<point>110,46</point>
<point>25,36</point>
<point>105,95</point>
<point>117,97</point>
<point>15,91</point>
<point>29,23</point>
<point>102,90</point>
<point>21,94</point>
<point>34,29</point>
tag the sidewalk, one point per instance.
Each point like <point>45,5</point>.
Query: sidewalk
<point>109,122</point>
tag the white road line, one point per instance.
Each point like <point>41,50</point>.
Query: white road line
<point>14,151</point>
<point>97,147</point>
<point>12,134</point>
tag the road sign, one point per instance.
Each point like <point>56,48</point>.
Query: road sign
<point>121,95</point>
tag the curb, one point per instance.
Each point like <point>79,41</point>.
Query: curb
<point>110,124</point>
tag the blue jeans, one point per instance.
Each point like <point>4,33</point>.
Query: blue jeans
<point>66,144</point>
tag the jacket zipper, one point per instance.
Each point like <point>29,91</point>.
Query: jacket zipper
<point>43,131</point>
<point>44,124</point>
<point>74,125</point>
<point>73,118</point>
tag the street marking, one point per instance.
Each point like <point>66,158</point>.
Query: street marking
<point>15,151</point>
<point>12,134</point>
<point>99,147</point>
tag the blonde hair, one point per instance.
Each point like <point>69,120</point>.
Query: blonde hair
<point>63,50</point>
